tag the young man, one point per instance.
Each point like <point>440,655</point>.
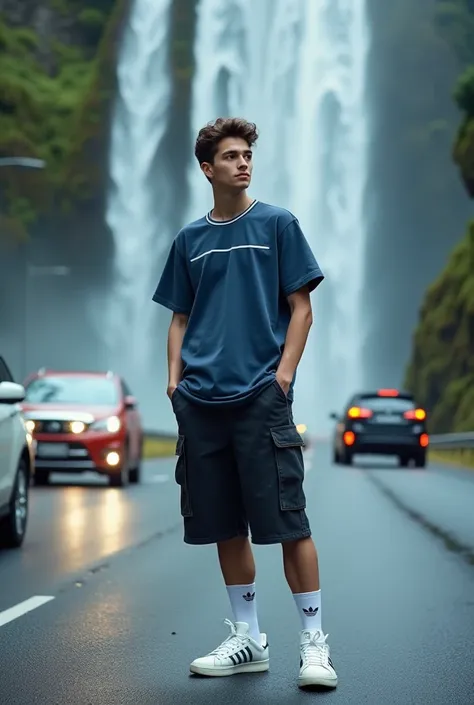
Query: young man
<point>238,282</point>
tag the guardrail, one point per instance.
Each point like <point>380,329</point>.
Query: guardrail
<point>449,441</point>
<point>160,436</point>
<point>452,441</point>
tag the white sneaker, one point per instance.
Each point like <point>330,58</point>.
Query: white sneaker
<point>239,653</point>
<point>316,667</point>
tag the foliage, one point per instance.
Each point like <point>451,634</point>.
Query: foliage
<point>441,371</point>
<point>51,103</point>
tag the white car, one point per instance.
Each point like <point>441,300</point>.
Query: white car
<point>16,461</point>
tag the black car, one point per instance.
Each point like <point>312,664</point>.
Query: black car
<point>384,422</point>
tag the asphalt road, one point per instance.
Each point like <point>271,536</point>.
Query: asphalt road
<point>132,605</point>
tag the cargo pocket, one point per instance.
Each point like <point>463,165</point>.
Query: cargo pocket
<point>181,477</point>
<point>290,465</point>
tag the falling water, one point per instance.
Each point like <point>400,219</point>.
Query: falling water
<point>297,68</point>
<point>141,238</point>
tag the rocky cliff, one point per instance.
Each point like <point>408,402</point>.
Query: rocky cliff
<point>441,369</point>
<point>57,79</point>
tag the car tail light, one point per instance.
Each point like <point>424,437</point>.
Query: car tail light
<point>388,392</point>
<point>349,438</point>
<point>415,415</point>
<point>357,412</point>
<point>424,440</point>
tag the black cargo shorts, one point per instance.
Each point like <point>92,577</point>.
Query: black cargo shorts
<point>240,468</point>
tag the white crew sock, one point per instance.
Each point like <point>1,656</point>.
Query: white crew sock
<point>308,605</point>
<point>244,606</point>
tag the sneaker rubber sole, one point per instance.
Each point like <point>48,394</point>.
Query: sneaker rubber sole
<point>254,667</point>
<point>312,682</point>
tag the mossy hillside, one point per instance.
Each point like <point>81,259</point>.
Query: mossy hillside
<point>441,371</point>
<point>53,103</point>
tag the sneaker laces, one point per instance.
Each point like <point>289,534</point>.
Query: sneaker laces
<point>315,651</point>
<point>234,642</point>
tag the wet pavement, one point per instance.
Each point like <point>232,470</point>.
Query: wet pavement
<point>132,605</point>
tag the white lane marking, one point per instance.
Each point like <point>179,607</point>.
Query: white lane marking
<point>159,478</point>
<point>22,608</point>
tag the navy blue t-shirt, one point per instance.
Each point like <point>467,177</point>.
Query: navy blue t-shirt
<point>232,279</point>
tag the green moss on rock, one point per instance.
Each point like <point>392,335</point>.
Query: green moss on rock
<point>54,106</point>
<point>441,371</point>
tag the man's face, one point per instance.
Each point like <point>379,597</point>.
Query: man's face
<point>232,168</point>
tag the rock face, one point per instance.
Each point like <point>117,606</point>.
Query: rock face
<point>57,83</point>
<point>441,370</point>
<point>57,78</point>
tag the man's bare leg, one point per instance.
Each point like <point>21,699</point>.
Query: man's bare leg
<point>300,560</point>
<point>236,561</point>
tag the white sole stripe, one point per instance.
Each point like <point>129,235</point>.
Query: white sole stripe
<point>229,249</point>
<point>22,608</point>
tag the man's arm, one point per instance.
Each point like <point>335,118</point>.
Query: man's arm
<point>176,333</point>
<point>297,334</point>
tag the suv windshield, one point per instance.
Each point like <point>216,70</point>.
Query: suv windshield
<point>72,390</point>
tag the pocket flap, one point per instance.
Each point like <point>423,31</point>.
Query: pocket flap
<point>286,436</point>
<point>179,445</point>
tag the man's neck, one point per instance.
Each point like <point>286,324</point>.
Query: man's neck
<point>228,206</point>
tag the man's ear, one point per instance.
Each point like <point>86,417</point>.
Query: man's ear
<point>207,170</point>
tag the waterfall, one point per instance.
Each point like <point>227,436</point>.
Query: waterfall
<point>297,68</point>
<point>141,238</point>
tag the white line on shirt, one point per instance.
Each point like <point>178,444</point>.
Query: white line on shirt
<point>229,249</point>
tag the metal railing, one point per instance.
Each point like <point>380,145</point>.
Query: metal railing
<point>160,435</point>
<point>441,441</point>
<point>452,441</point>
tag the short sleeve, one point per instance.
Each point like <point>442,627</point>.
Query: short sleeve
<point>298,265</point>
<point>174,290</point>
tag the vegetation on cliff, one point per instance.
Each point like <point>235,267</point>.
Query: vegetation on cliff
<point>441,369</point>
<point>55,91</point>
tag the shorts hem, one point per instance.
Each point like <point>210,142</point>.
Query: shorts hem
<point>281,538</point>
<point>192,541</point>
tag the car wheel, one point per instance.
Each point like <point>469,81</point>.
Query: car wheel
<point>335,457</point>
<point>403,461</point>
<point>420,460</point>
<point>14,524</point>
<point>346,458</point>
<point>134,474</point>
<point>120,479</point>
<point>41,477</point>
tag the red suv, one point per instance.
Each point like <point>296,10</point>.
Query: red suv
<point>83,421</point>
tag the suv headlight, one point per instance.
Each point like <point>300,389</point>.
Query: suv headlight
<point>111,424</point>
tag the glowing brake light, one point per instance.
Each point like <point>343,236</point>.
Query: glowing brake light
<point>415,415</point>
<point>388,392</point>
<point>356,412</point>
<point>349,438</point>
